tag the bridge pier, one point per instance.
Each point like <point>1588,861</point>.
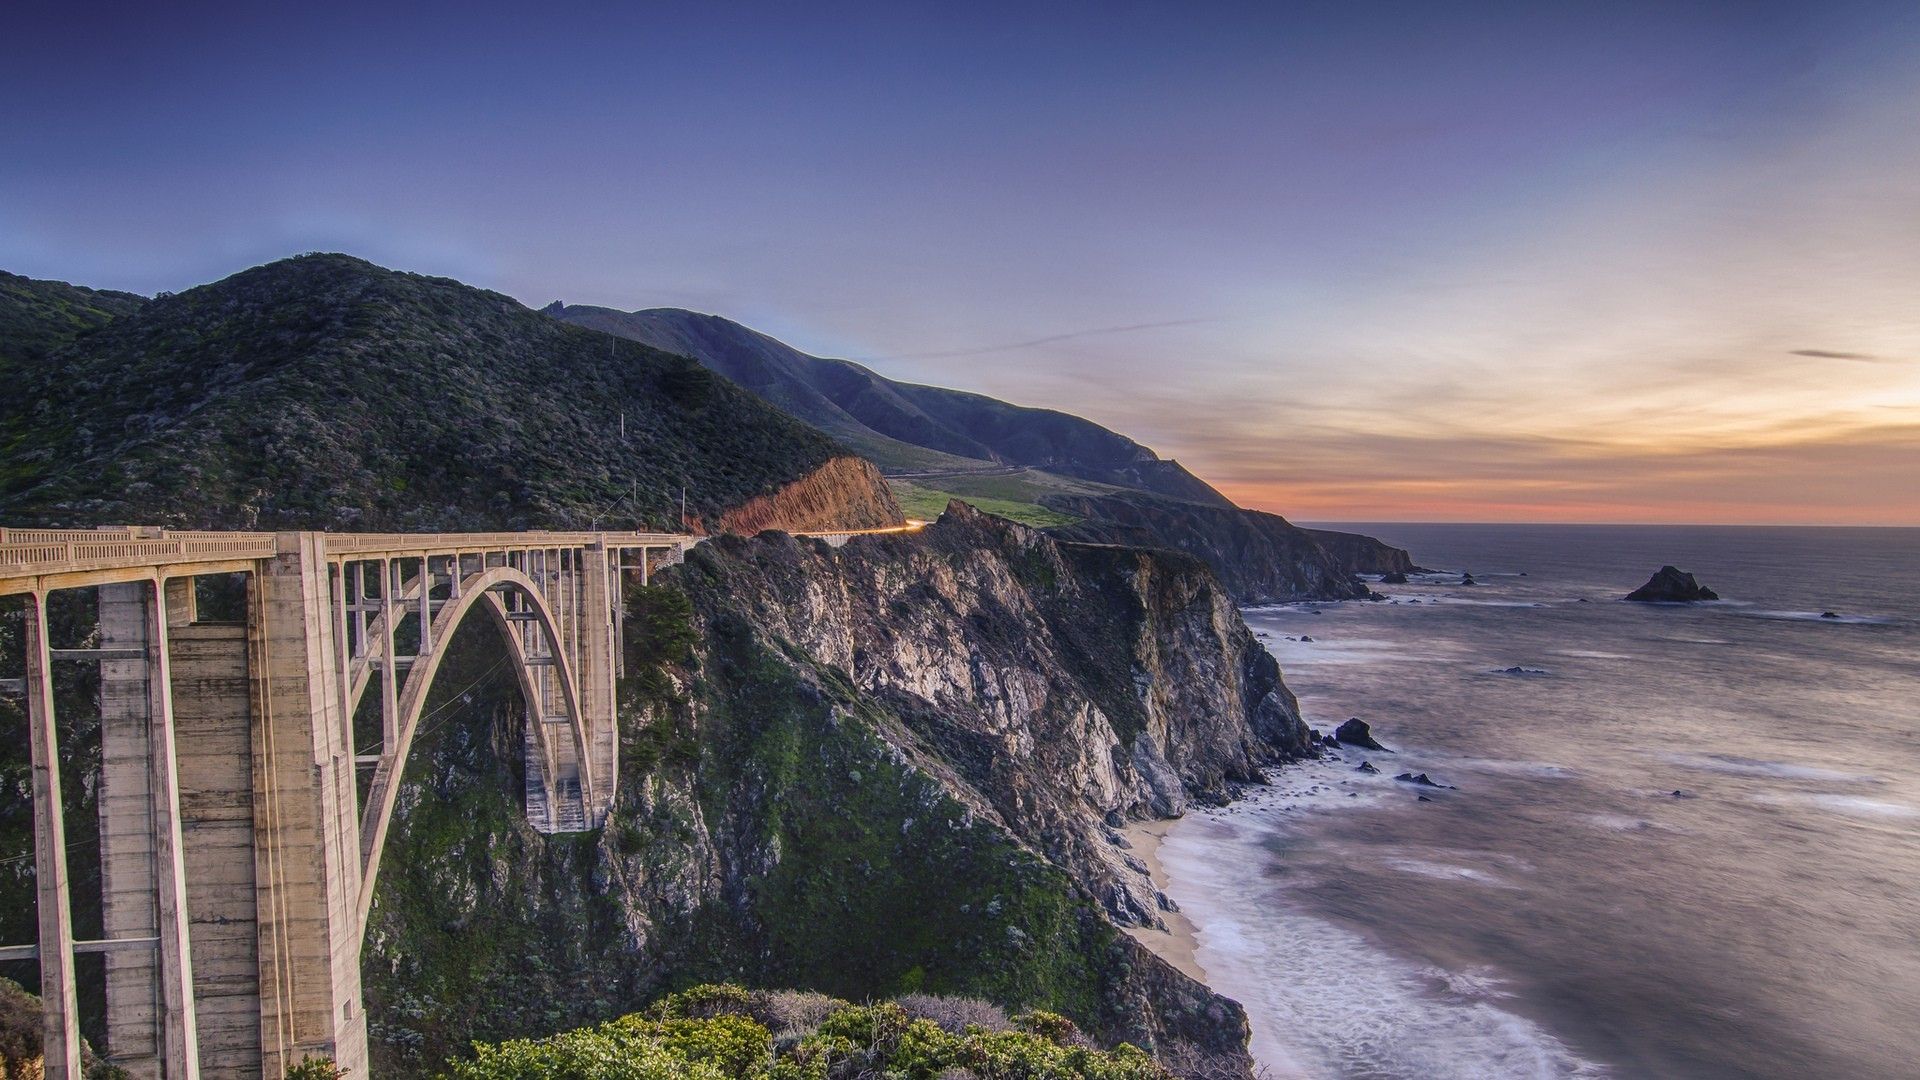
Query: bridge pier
<point>60,1033</point>
<point>150,1007</point>
<point>306,824</point>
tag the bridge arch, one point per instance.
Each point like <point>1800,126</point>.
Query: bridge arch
<point>509,596</point>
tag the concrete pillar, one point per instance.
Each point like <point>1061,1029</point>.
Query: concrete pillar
<point>596,674</point>
<point>183,602</point>
<point>212,713</point>
<point>150,1006</point>
<point>179,1015</point>
<point>60,1034</point>
<point>129,898</point>
<point>307,844</point>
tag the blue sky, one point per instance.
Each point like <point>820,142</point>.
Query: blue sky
<point>1503,261</point>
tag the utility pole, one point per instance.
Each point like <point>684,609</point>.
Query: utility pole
<point>683,507</point>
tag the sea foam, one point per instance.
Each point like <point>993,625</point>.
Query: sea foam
<point>1326,1002</point>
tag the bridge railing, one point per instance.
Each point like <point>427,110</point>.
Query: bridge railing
<point>27,557</point>
<point>373,543</point>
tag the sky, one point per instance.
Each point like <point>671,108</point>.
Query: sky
<point>1347,261</point>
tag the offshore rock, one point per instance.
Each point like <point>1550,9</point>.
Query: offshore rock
<point>1669,585</point>
<point>1355,732</point>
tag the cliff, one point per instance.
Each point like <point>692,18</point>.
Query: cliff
<point>888,767</point>
<point>845,493</point>
<point>1359,554</point>
<point>1260,557</point>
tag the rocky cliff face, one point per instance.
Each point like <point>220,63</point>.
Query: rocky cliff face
<point>888,767</point>
<point>845,493</point>
<point>1358,554</point>
<point>1070,684</point>
<point>1260,557</point>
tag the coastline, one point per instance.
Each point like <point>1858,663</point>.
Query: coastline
<point>1180,941</point>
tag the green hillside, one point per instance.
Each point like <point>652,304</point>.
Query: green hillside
<point>326,392</point>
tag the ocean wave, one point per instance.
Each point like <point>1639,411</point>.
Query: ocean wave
<point>1830,618</point>
<point>1780,770</point>
<point>1324,1001</point>
<point>1627,823</point>
<point>1851,805</point>
<point>1449,872</point>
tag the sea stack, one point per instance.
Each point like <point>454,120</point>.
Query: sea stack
<point>1672,586</point>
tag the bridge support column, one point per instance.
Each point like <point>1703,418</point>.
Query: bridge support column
<point>597,692</point>
<point>60,1033</point>
<point>150,1007</point>
<point>307,849</point>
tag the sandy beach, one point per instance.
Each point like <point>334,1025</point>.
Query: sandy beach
<point>1177,943</point>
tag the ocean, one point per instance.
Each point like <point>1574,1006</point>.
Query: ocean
<point>1674,841</point>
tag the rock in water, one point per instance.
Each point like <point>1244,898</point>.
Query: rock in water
<point>1367,767</point>
<point>1829,614</point>
<point>1393,577</point>
<point>1356,733</point>
<point>1672,586</point>
<point>1467,579</point>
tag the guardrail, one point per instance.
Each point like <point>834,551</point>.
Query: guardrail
<point>373,543</point>
<point>94,553</point>
<point>28,553</point>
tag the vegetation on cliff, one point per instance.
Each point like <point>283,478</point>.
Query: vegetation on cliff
<point>326,392</point>
<point>38,317</point>
<point>722,1032</point>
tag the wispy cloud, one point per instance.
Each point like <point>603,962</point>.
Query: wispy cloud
<point>1833,354</point>
<point>1051,339</point>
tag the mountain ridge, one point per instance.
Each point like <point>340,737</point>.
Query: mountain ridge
<point>875,414</point>
<point>1125,494</point>
<point>324,391</point>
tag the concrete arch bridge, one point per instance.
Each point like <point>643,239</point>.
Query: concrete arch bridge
<point>241,821</point>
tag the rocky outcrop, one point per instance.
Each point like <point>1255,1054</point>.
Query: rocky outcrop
<point>845,493</point>
<point>1260,557</point>
<point>1669,585</point>
<point>885,767</point>
<point>1091,681</point>
<point>1355,732</point>
<point>1359,554</point>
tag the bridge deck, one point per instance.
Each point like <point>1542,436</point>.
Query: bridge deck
<point>40,559</point>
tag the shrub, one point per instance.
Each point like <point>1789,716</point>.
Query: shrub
<point>954,1015</point>
<point>793,1013</point>
<point>315,1068</point>
<point>659,627</point>
<point>710,1032</point>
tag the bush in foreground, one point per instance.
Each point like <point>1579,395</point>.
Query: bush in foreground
<point>727,1033</point>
